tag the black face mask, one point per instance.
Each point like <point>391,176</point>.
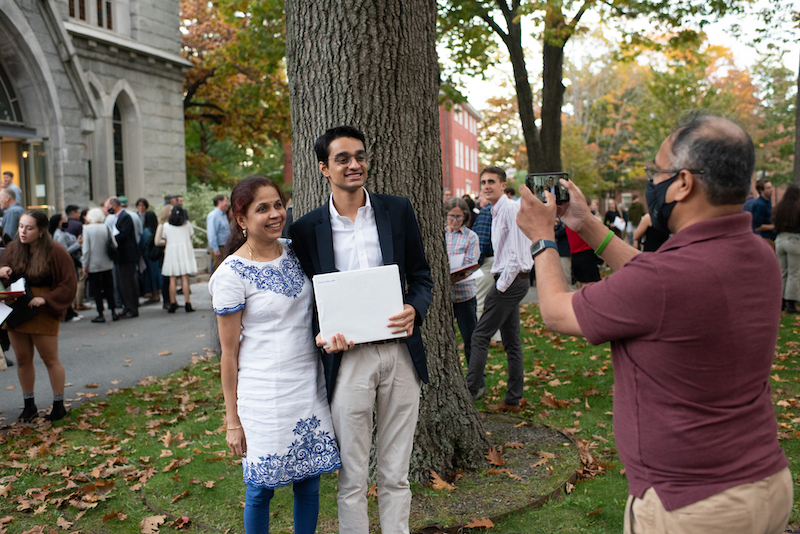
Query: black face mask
<point>656,195</point>
<point>64,225</point>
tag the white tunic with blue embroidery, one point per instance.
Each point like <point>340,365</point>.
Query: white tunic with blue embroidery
<point>281,396</point>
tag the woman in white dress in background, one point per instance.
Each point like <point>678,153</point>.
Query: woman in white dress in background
<point>179,257</point>
<point>277,414</point>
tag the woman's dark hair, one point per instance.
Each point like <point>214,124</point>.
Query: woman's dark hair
<point>787,212</point>
<point>241,198</point>
<point>36,265</point>
<point>151,221</point>
<point>55,223</point>
<point>177,217</point>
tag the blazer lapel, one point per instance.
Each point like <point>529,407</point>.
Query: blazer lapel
<point>384,225</point>
<point>325,241</point>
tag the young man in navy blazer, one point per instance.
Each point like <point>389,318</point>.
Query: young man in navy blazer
<point>356,229</point>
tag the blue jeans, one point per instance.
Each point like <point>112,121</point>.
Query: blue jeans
<point>306,507</point>
<point>467,317</point>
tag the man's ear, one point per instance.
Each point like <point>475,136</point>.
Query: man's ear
<point>687,184</point>
<point>324,169</point>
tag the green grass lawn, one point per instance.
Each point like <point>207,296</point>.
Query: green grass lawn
<point>156,453</point>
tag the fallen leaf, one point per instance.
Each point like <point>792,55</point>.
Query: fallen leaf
<point>545,454</point>
<point>63,523</point>
<point>373,491</point>
<point>494,457</point>
<point>515,445</point>
<point>92,385</point>
<point>480,523</point>
<point>439,484</point>
<point>209,484</point>
<point>164,353</point>
<point>149,525</point>
<point>179,496</point>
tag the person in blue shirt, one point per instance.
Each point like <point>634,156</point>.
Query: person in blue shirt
<point>12,212</point>
<point>762,212</point>
<point>219,229</point>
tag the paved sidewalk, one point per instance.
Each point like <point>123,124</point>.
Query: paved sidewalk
<point>116,354</point>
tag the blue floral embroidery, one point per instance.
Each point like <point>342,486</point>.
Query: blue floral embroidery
<point>228,311</point>
<point>314,453</point>
<point>286,279</point>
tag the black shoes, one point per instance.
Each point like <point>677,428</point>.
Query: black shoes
<point>99,319</point>
<point>129,315</point>
<point>29,413</point>
<point>58,412</point>
<point>189,307</point>
<point>172,307</point>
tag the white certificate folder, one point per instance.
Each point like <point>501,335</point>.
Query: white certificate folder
<point>358,304</point>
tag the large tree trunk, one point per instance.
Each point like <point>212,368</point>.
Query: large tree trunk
<point>522,85</point>
<point>373,65</point>
<point>796,179</point>
<point>552,100</point>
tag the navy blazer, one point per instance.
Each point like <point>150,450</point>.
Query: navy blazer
<point>401,244</point>
<point>126,239</point>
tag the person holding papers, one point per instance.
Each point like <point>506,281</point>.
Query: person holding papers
<point>462,243</point>
<point>49,273</point>
<point>511,271</point>
<point>276,414</point>
<point>359,230</point>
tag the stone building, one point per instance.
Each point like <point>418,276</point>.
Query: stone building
<point>91,100</point>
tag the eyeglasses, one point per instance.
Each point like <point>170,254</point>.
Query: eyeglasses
<point>455,217</point>
<point>652,172</point>
<point>345,159</point>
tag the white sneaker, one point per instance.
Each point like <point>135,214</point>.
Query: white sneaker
<point>76,318</point>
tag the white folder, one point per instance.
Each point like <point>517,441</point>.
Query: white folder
<point>358,304</point>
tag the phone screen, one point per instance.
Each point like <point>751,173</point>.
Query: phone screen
<point>538,183</point>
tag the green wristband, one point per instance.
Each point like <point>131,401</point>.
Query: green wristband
<point>605,243</point>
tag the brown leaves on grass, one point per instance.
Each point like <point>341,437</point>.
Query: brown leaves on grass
<point>438,484</point>
<point>480,523</point>
<point>149,525</point>
<point>495,457</point>
<point>506,471</point>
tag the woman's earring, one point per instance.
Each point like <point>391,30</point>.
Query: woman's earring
<point>244,231</point>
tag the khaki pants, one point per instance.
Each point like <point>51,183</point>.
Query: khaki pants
<point>485,284</point>
<point>371,375</point>
<point>81,291</point>
<point>761,507</point>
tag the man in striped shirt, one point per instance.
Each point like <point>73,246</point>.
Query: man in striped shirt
<point>511,271</point>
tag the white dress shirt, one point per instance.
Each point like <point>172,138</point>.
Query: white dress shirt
<point>355,244</point>
<point>512,249</point>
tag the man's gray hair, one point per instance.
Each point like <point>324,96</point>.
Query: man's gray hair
<point>11,194</point>
<point>722,150</point>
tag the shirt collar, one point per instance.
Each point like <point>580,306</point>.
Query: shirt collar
<point>728,226</point>
<point>333,212</point>
<point>502,200</point>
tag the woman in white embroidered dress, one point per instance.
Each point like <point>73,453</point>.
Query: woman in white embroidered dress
<point>277,414</point>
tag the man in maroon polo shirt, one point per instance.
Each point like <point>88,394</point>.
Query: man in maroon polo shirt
<point>692,328</point>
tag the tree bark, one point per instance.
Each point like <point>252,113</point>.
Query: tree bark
<point>796,174</point>
<point>374,65</point>
<point>522,84</point>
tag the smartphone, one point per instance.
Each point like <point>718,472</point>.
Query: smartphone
<point>538,183</point>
